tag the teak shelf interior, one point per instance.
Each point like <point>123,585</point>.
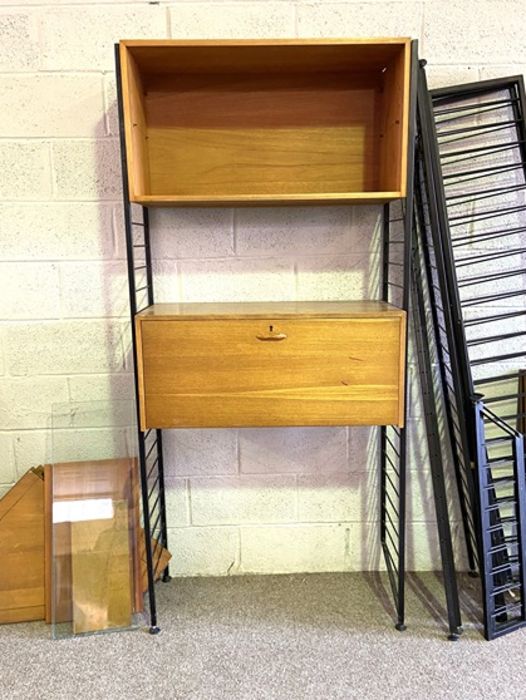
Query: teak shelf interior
<point>265,122</point>
<point>271,364</point>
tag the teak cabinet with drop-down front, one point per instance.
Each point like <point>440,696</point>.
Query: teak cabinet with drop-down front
<point>270,364</point>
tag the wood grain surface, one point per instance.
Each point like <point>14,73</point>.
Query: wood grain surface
<point>270,372</point>
<point>22,595</point>
<point>102,572</point>
<point>291,310</point>
<point>265,121</point>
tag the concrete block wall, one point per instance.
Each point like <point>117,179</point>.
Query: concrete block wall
<point>239,501</point>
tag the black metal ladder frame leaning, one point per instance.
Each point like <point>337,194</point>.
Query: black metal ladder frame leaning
<point>492,487</point>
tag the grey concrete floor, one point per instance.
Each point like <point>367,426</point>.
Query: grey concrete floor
<point>306,636</point>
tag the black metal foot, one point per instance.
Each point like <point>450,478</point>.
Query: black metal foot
<point>166,578</point>
<point>400,627</point>
<point>473,574</point>
<point>154,630</point>
<point>454,635</point>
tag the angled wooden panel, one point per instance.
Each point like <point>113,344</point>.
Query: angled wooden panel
<point>22,550</point>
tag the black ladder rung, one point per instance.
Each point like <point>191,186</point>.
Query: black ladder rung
<point>387,439</point>
<point>497,440</point>
<point>487,235</point>
<point>154,443</point>
<point>493,297</point>
<point>508,609</point>
<point>154,527</point>
<point>513,416</point>
<point>496,378</point>
<point>496,358</point>
<point>502,502</point>
<point>395,508</point>
<point>481,150</point>
<point>395,527</point>
<point>462,219</point>
<point>156,503</point>
<point>494,461</point>
<point>391,464</point>
<point>153,466</point>
<point>505,397</point>
<point>154,486</point>
<point>500,548</point>
<point>493,319</point>
<point>506,588</point>
<point>395,489</point>
<point>467,131</point>
<point>511,564</point>
<point>500,481</point>
<point>476,106</point>
<point>488,257</point>
<point>393,544</point>
<point>505,520</point>
<point>389,557</point>
<point>490,277</point>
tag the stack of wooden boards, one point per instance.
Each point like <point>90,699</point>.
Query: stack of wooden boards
<point>72,548</point>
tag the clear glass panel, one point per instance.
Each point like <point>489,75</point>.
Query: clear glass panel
<point>97,543</point>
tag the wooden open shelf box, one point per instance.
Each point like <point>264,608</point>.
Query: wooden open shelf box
<point>265,122</point>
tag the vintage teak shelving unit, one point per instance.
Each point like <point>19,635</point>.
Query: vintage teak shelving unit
<point>285,122</point>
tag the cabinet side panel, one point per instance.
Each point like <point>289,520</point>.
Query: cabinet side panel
<point>395,123</point>
<point>140,372</point>
<point>403,378</point>
<point>134,126</point>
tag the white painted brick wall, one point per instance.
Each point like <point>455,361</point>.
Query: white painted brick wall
<point>239,501</point>
<point>26,170</point>
<point>68,105</point>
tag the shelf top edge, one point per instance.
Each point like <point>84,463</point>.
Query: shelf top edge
<point>270,310</point>
<point>351,41</point>
<point>270,199</point>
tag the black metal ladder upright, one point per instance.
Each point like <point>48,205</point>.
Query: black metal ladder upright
<point>404,249</point>
<point>396,289</point>
<point>439,370</point>
<point>149,442</point>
